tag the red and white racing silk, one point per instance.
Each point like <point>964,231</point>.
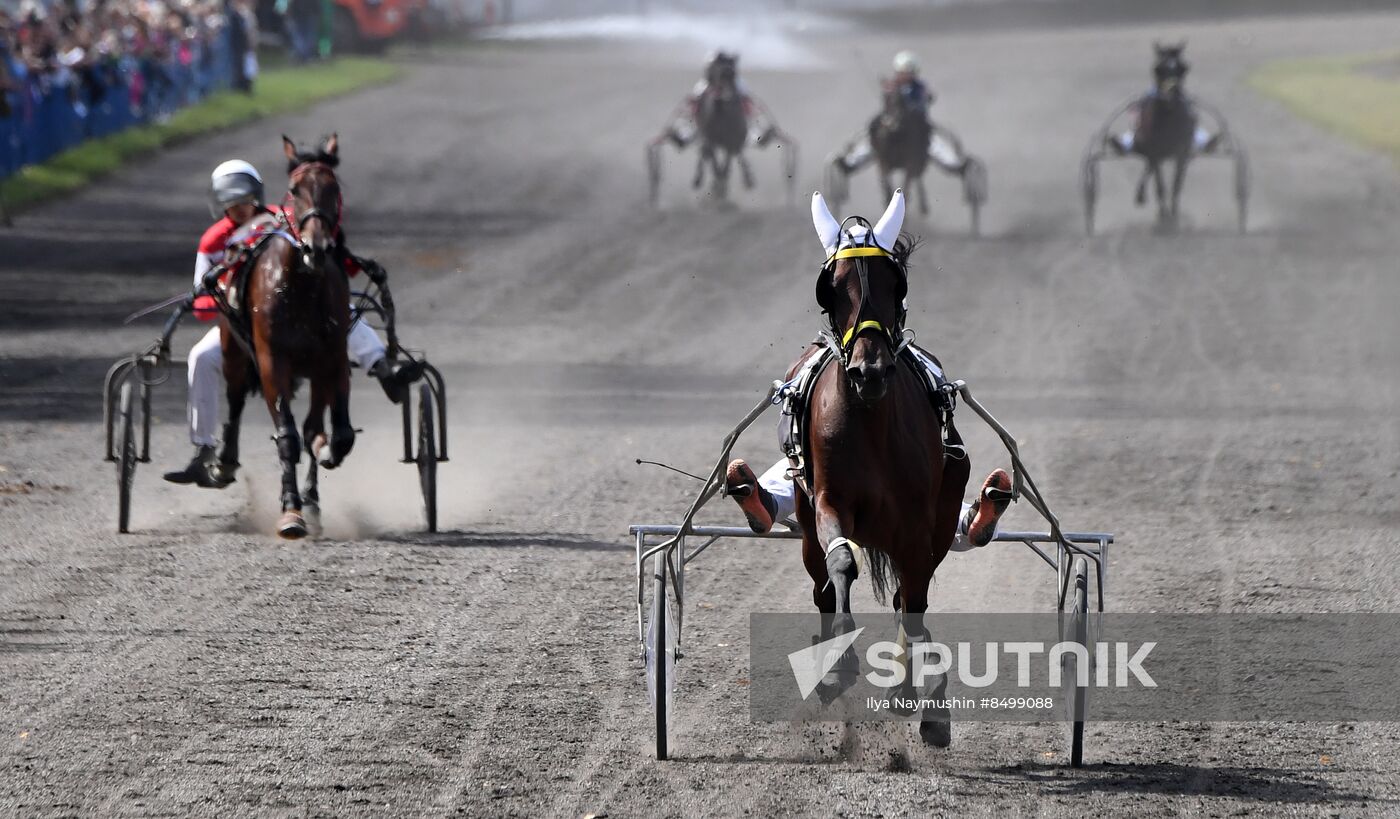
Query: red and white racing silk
<point>215,246</point>
<point>216,242</point>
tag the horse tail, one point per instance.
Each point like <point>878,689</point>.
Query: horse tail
<point>878,564</point>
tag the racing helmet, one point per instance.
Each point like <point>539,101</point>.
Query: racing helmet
<point>906,61</point>
<point>232,183</point>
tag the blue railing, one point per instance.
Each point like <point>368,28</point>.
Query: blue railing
<point>48,115</point>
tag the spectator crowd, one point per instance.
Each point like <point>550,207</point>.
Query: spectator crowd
<point>74,69</point>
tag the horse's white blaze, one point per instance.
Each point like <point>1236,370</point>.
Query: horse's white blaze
<point>828,229</point>
<point>887,229</point>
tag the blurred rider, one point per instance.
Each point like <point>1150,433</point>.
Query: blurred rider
<point>1168,78</point>
<point>236,198</point>
<point>917,98</point>
<point>720,70</point>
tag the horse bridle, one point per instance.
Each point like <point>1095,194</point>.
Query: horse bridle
<point>843,343</point>
<point>299,220</point>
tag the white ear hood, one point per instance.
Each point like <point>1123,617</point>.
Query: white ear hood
<point>828,229</point>
<point>887,229</point>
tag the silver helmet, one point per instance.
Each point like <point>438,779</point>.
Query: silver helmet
<point>232,183</point>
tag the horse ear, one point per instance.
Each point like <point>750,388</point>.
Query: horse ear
<point>828,229</point>
<point>289,148</point>
<point>887,229</point>
<point>332,146</point>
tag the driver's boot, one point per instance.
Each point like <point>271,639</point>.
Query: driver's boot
<point>202,470</point>
<point>395,376</point>
<point>987,509</point>
<point>758,506</point>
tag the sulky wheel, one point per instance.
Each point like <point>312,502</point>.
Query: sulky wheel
<point>789,150</point>
<point>836,185</point>
<point>1074,628</point>
<point>1089,188</point>
<point>427,455</point>
<point>126,455</point>
<point>661,657</point>
<point>1241,163</point>
<point>653,155</point>
<point>975,188</point>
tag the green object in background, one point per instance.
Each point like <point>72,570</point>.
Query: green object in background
<point>277,91</point>
<point>1355,95</point>
<point>324,44</point>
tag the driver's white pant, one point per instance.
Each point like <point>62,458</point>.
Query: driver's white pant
<point>939,150</point>
<point>1199,140</point>
<point>206,369</point>
<point>784,493</point>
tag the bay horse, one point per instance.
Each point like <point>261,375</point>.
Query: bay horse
<point>899,137</point>
<point>295,317</point>
<point>723,124</point>
<point>1165,130</point>
<point>878,475</point>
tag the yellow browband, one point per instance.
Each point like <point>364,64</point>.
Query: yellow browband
<point>864,325</point>
<point>856,252</point>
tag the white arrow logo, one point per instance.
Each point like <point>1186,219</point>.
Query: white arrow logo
<point>811,664</point>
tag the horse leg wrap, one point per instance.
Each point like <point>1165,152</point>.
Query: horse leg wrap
<point>228,456</point>
<point>288,445</point>
<point>289,451</point>
<point>841,560</point>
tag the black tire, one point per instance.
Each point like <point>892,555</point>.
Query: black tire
<point>1076,629</point>
<point>653,155</point>
<point>427,454</point>
<point>975,192</point>
<point>1089,186</point>
<point>837,184</point>
<point>790,171</point>
<point>126,456</point>
<point>1242,187</point>
<point>145,419</point>
<point>659,657</point>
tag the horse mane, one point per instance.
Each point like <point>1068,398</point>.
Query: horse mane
<point>904,247</point>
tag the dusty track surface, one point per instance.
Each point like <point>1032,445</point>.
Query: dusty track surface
<point>1225,404</point>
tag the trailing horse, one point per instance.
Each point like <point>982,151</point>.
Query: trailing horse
<point>723,124</point>
<point>1165,131</point>
<point>900,138</point>
<point>293,324</point>
<point>878,478</point>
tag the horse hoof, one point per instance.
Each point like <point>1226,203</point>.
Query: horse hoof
<point>936,733</point>
<point>292,526</point>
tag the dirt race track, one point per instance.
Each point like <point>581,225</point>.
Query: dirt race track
<point>1225,404</point>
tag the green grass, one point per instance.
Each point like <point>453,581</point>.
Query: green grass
<point>1340,94</point>
<point>276,91</point>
